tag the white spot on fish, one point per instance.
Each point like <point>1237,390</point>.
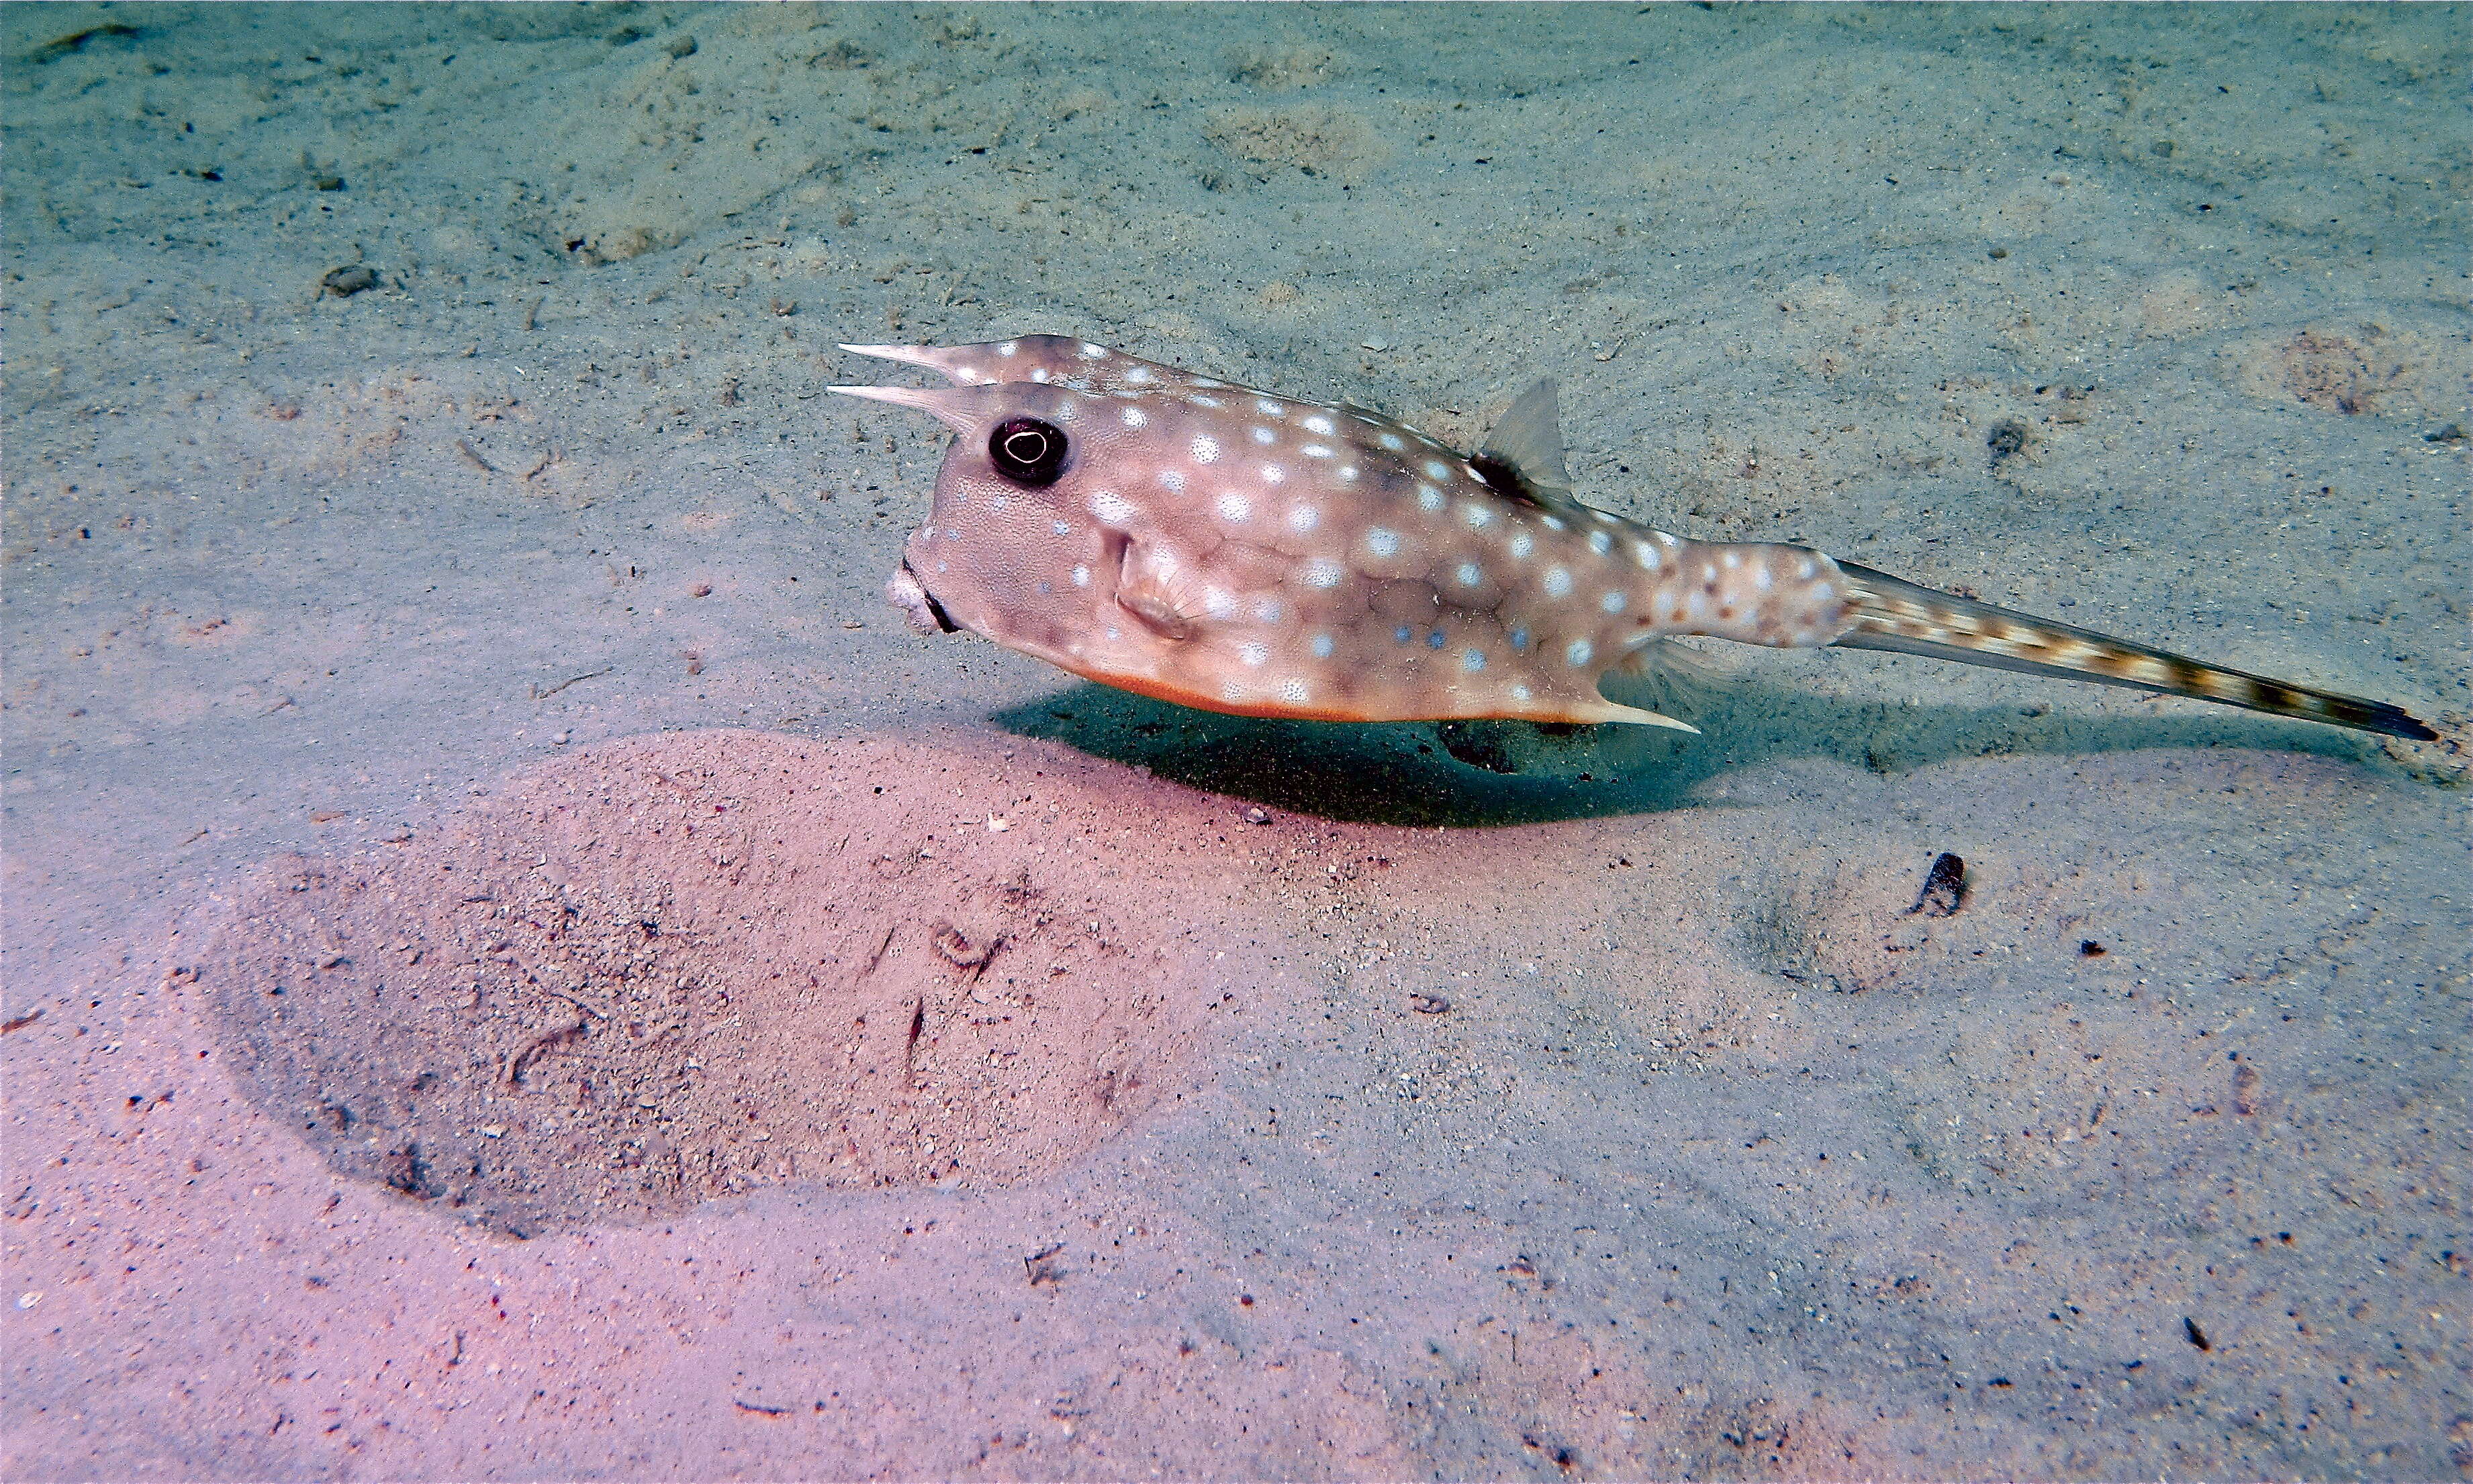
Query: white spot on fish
<point>1823,593</point>
<point>1062,528</point>
<point>1039,373</point>
<point>1317,423</point>
<point>1732,559</point>
<point>1009,348</point>
<point>1140,375</point>
<point>1762,580</point>
<point>1272,473</point>
<point>1081,577</point>
<point>1381,543</point>
<point>1200,401</point>
<point>1112,508</point>
<point>1253,653</point>
<point>1266,407</point>
<point>1470,574</point>
<point>1264,435</point>
<point>1234,507</point>
<point>1206,449</point>
<point>1134,417</point>
<point>1804,567</point>
<point>1390,441</point>
<point>1558,583</point>
<point>1436,469</point>
<point>1579,652</point>
<point>1091,352</point>
<point>1647,555</point>
<point>1294,689</point>
<point>1323,572</point>
<point>1518,692</point>
<point>1473,660</point>
<point>1322,646</point>
<point>1476,515</point>
<point>1428,497</point>
<point>1613,601</point>
<point>1172,481</point>
<point>1551,522</point>
<point>1269,611</point>
<point>1523,544</point>
<point>1219,603</point>
<point>1600,542</point>
<point>1304,517</point>
<point>1316,450</point>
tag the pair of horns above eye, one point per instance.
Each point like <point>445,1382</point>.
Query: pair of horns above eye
<point>1027,452</point>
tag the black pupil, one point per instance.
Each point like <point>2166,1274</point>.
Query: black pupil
<point>1027,451</point>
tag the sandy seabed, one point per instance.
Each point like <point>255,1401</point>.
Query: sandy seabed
<point>519,966</point>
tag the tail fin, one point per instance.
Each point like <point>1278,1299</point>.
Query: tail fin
<point>1898,616</point>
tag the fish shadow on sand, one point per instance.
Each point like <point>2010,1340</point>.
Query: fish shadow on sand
<point>1512,773</point>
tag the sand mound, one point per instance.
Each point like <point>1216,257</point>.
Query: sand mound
<point>682,967</point>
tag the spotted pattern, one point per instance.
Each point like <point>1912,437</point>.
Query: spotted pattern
<point>1349,567</point>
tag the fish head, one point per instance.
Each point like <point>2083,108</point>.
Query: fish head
<point>1033,537</point>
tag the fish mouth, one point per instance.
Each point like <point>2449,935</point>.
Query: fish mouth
<point>905,591</point>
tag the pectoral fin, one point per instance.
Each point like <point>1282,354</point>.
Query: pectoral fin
<point>1151,587</point>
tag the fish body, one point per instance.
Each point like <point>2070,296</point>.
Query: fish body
<point>1239,551</point>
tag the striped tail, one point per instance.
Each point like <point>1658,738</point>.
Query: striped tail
<point>1898,616</point>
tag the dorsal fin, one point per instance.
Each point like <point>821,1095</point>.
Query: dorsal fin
<point>1522,458</point>
<point>1529,438</point>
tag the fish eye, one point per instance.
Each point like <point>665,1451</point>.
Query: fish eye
<point>1027,452</point>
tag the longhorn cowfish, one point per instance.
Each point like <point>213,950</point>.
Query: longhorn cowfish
<point>1239,551</point>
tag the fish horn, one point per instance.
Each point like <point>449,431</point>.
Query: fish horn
<point>943,359</point>
<point>948,406</point>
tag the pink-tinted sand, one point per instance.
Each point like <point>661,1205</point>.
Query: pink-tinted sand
<point>491,658</point>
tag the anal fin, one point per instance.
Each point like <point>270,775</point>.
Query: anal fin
<point>1604,710</point>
